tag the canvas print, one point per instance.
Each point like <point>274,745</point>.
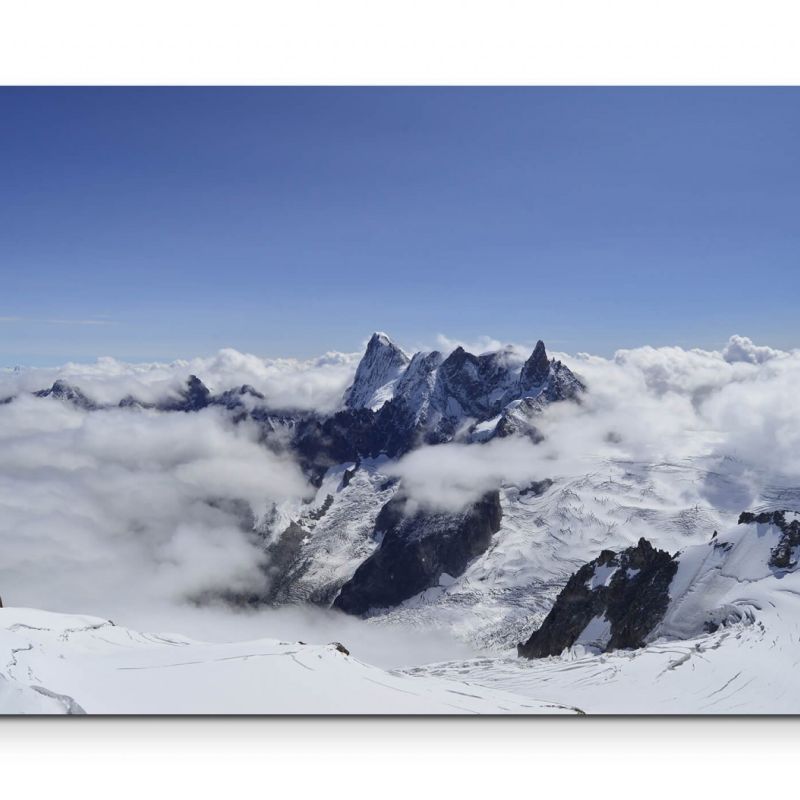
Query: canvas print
<point>399,401</point>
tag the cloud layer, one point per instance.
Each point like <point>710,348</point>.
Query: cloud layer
<point>646,404</point>
<point>116,509</point>
<point>315,384</point>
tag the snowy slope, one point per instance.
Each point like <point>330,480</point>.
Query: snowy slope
<point>743,670</point>
<point>56,664</point>
<point>378,372</point>
<point>543,538</point>
<point>745,665</point>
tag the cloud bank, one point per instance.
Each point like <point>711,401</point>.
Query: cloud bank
<point>118,509</point>
<point>314,384</point>
<point>647,404</point>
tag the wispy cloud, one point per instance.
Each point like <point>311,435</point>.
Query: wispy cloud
<point>32,320</point>
<point>77,321</point>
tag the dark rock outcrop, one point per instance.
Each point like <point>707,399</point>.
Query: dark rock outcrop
<point>352,435</point>
<point>62,390</point>
<point>535,370</point>
<point>629,590</point>
<point>129,401</point>
<point>480,385</point>
<point>536,488</point>
<point>234,399</point>
<point>785,554</point>
<point>417,547</point>
<point>194,397</point>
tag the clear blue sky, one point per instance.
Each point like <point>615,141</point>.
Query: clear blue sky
<point>294,221</point>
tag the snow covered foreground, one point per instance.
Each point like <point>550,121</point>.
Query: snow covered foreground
<point>63,664</point>
<point>730,586</point>
<point>748,665</point>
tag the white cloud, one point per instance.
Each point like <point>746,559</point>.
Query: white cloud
<point>286,383</point>
<point>119,510</point>
<point>483,344</point>
<point>649,404</point>
<point>741,348</point>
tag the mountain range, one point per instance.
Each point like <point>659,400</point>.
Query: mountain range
<point>605,558</point>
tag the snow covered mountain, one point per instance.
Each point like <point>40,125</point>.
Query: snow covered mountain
<point>377,374</point>
<point>625,600</point>
<point>711,629</point>
<point>571,563</point>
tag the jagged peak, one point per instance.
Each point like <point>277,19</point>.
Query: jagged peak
<point>381,338</point>
<point>536,368</point>
<point>196,391</point>
<point>381,365</point>
<point>382,342</point>
<point>64,390</point>
<point>60,388</point>
<point>193,397</point>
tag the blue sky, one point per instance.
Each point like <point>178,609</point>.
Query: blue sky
<point>165,223</point>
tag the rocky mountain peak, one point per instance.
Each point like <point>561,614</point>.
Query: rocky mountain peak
<point>382,364</point>
<point>476,386</point>
<point>63,390</point>
<point>196,393</point>
<point>193,397</point>
<point>536,369</point>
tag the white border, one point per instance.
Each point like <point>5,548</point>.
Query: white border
<point>390,42</point>
<point>413,759</point>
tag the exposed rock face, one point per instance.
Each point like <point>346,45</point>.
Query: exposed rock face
<point>610,603</point>
<point>518,419</point>
<point>129,401</point>
<point>350,435</point>
<point>562,384</point>
<point>417,547</point>
<point>234,399</point>
<point>379,369</point>
<point>475,386</point>
<point>417,384</point>
<point>71,394</point>
<point>394,404</point>
<point>537,488</point>
<point>785,554</point>
<point>194,397</point>
<point>536,369</point>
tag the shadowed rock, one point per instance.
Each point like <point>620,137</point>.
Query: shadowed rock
<point>194,397</point>
<point>417,547</point>
<point>610,603</point>
<point>536,369</point>
<point>62,390</point>
<point>784,555</point>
